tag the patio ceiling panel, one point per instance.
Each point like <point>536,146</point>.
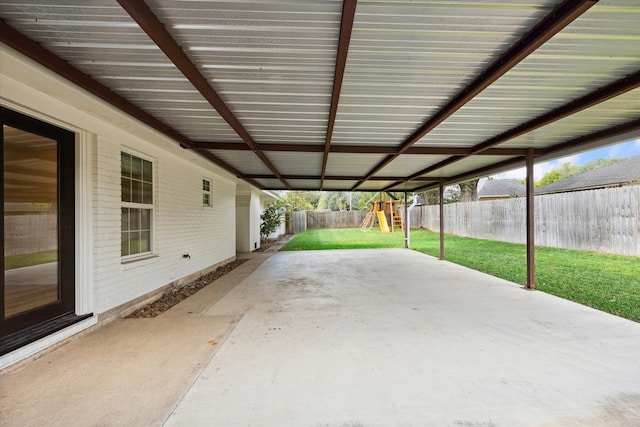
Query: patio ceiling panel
<point>404,164</point>
<point>269,184</point>
<point>553,75</point>
<point>297,163</point>
<point>261,57</point>
<point>417,55</point>
<point>356,164</point>
<point>303,184</point>
<point>245,161</point>
<point>342,185</point>
<point>100,39</point>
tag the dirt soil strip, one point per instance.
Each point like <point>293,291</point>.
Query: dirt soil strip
<point>177,294</point>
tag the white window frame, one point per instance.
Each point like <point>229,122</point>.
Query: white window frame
<point>142,206</point>
<point>206,192</point>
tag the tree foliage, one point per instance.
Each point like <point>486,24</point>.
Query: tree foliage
<point>299,200</point>
<point>334,201</point>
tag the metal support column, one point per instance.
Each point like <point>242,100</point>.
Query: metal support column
<point>441,199</point>
<point>531,265</point>
<point>406,222</point>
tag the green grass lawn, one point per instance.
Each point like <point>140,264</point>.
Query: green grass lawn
<point>609,283</point>
<point>25,260</point>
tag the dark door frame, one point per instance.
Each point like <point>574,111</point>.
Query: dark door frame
<point>66,224</point>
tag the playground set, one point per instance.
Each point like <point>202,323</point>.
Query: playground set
<point>386,213</point>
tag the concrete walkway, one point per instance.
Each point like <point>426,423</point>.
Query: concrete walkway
<point>344,338</point>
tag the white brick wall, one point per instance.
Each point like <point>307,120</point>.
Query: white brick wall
<point>181,224</point>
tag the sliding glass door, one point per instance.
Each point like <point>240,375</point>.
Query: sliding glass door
<point>38,229</point>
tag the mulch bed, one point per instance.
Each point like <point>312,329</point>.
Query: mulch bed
<point>174,295</point>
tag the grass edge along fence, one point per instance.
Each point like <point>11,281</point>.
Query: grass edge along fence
<point>605,220</point>
<point>606,282</point>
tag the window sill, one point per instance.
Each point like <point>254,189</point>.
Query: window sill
<point>139,261</point>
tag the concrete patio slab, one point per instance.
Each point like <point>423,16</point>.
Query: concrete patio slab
<point>129,372</point>
<point>397,338</point>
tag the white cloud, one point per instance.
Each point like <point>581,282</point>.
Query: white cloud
<point>575,159</point>
<point>519,173</point>
<point>539,169</point>
<point>616,151</point>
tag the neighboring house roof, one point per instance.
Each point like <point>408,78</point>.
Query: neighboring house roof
<point>501,188</point>
<point>615,174</point>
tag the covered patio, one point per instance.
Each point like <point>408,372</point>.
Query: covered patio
<point>344,338</point>
<point>216,101</point>
<point>399,96</point>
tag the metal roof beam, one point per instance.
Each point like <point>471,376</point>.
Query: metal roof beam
<point>150,24</point>
<point>346,25</point>
<point>553,23</point>
<point>358,149</point>
<point>330,177</point>
<point>19,42</point>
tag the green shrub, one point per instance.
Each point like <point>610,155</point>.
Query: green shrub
<point>271,220</point>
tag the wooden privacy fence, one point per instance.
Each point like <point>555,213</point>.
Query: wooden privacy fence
<point>298,223</point>
<point>302,221</point>
<point>606,220</point>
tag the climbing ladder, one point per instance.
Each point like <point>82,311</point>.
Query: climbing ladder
<point>368,221</point>
<point>396,220</point>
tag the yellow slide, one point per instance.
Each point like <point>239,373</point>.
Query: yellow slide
<point>382,219</point>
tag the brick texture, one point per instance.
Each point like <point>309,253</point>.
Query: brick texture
<point>181,225</point>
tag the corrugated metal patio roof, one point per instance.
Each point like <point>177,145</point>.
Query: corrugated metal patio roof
<point>353,95</point>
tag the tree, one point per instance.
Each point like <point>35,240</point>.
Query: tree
<point>548,178</point>
<point>429,197</point>
<point>299,200</point>
<point>271,220</point>
<point>451,194</point>
<point>598,163</point>
<point>568,169</point>
<point>469,191</point>
<point>334,201</point>
<point>360,199</point>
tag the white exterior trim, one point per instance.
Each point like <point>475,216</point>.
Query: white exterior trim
<point>84,223</point>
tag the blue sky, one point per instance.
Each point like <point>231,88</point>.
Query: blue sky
<point>622,150</point>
